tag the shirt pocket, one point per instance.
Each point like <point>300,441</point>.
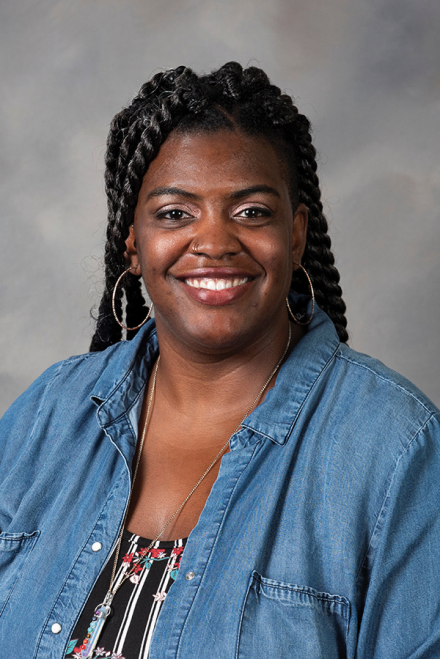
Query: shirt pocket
<point>15,548</point>
<point>286,621</point>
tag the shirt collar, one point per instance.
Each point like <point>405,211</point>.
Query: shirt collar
<point>275,418</point>
<point>129,363</point>
<point>125,373</point>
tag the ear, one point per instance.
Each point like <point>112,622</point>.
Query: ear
<point>130,253</point>
<point>299,235</point>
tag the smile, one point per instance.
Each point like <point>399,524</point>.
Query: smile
<point>216,284</point>
<point>223,289</point>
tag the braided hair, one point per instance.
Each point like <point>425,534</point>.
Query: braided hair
<point>228,98</point>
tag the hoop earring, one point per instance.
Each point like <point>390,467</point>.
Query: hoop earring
<point>130,329</point>
<point>299,322</point>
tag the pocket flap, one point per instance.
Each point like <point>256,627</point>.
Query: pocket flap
<point>282,620</point>
<point>14,550</point>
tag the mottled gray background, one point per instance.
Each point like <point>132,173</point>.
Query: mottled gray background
<point>365,72</point>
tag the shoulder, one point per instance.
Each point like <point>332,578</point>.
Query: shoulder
<point>86,369</point>
<point>86,374</point>
<point>380,400</point>
<point>75,371</point>
<point>66,386</point>
<point>373,371</point>
<point>65,398</point>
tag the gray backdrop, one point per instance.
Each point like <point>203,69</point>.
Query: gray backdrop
<point>367,74</point>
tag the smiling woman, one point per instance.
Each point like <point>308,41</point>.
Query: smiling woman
<point>215,238</point>
<point>232,479</point>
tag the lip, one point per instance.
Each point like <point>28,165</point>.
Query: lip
<point>216,298</point>
<point>215,273</point>
<point>213,297</point>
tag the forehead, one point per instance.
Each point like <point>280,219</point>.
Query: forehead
<point>224,158</point>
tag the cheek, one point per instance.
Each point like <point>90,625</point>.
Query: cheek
<point>156,255</point>
<point>154,250</point>
<point>275,256</point>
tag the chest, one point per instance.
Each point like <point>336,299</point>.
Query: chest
<point>177,469</point>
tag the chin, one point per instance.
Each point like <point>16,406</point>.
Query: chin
<point>218,338</point>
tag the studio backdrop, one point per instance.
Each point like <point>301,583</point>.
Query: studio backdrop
<point>365,73</point>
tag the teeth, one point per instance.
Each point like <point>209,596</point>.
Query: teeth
<point>216,284</point>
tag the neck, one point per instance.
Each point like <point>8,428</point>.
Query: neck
<point>202,386</point>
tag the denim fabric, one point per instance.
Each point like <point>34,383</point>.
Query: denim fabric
<point>320,538</point>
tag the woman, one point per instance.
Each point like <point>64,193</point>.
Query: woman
<point>233,465</point>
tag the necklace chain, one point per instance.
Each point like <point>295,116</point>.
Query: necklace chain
<point>103,610</point>
<point>112,589</point>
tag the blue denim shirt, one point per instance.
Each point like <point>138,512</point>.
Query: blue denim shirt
<point>320,538</point>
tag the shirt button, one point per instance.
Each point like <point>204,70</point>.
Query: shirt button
<point>56,628</point>
<point>189,576</point>
<point>96,546</point>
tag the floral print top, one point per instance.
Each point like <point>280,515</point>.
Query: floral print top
<point>128,631</point>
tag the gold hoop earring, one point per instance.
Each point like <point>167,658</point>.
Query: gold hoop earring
<point>299,322</point>
<point>130,329</point>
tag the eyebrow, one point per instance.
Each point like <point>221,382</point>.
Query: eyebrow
<point>159,192</point>
<point>238,194</point>
<point>253,190</point>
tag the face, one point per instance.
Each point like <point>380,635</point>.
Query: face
<point>215,239</point>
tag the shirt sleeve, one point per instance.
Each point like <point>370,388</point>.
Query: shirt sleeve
<point>18,421</point>
<point>401,616</point>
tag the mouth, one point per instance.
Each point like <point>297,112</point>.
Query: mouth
<point>211,284</point>
<point>216,288</point>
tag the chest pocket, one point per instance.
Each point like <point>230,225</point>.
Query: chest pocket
<point>283,621</point>
<point>14,550</point>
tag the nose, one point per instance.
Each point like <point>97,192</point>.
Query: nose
<point>216,238</point>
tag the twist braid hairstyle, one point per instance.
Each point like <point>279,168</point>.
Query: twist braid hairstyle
<point>229,98</point>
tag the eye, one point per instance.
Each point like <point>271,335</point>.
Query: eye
<point>175,214</point>
<point>252,212</point>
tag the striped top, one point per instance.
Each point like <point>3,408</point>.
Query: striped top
<point>128,631</point>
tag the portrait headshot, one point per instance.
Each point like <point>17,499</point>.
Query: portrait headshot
<point>219,431</point>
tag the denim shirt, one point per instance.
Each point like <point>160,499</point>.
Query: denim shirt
<point>320,537</point>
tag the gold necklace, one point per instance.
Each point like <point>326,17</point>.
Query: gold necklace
<point>103,610</point>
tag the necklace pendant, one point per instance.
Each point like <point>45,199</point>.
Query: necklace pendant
<point>100,616</point>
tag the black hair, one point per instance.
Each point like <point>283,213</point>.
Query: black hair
<point>229,97</point>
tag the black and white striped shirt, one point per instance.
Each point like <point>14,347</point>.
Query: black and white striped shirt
<point>128,631</point>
